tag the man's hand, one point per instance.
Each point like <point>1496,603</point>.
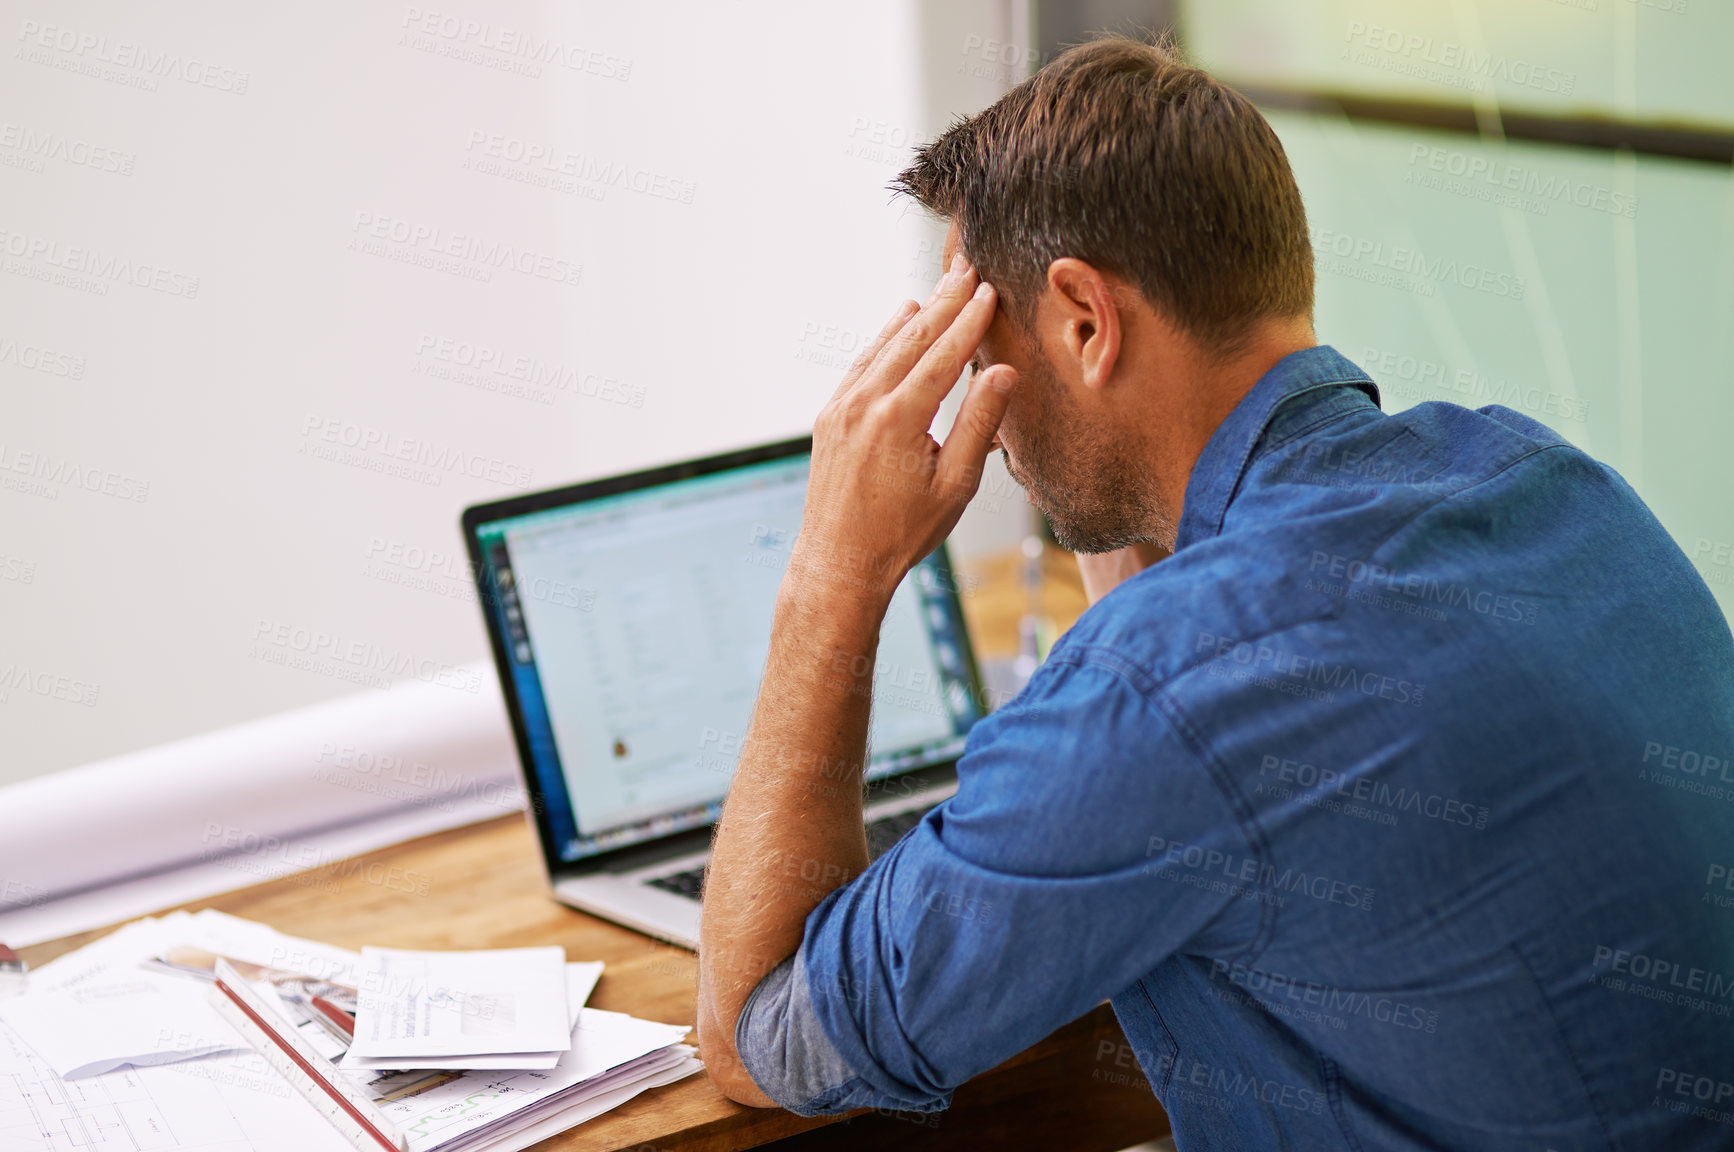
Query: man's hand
<point>883,493</point>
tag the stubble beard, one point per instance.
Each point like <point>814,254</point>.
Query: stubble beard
<point>1090,486</point>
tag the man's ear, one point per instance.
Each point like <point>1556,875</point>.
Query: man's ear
<point>1083,319</point>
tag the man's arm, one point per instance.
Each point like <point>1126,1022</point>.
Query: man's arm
<point>793,828</point>
<point>881,495</point>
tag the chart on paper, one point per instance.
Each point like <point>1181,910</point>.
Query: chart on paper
<point>194,1105</point>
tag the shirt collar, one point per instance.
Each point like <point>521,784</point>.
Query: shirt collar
<point>1312,372</point>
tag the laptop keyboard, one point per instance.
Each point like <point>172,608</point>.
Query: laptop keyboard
<point>688,884</point>
<point>881,835</point>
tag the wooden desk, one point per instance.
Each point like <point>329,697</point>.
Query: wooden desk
<point>994,598</point>
<point>483,887</point>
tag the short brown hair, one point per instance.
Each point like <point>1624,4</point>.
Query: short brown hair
<point>1122,155</point>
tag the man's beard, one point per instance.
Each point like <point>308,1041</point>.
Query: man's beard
<point>1092,489</point>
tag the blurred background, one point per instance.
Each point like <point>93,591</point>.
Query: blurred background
<point>285,288</point>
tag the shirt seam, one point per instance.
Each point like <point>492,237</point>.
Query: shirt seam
<point>1250,829</point>
<point>1159,696</point>
<point>1244,465</point>
<point>1332,1076</point>
<point>1564,1041</point>
<point>1412,521</point>
<point>1327,418</point>
<point>1173,1046</point>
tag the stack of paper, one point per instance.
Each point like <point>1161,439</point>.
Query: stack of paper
<point>105,1037</point>
<point>613,1058</point>
<point>505,1008</point>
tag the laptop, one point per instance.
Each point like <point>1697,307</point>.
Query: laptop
<point>630,619</point>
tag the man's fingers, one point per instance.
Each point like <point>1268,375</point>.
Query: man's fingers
<point>892,326</point>
<point>972,433</point>
<point>905,349</point>
<point>932,378</point>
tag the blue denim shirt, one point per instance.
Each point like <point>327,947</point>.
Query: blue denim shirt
<point>1394,810</point>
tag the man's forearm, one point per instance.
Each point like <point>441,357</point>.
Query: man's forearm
<point>881,494</point>
<point>792,828</point>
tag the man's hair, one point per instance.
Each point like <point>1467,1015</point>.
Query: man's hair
<point>1122,155</point>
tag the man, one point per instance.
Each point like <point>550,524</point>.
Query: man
<point>1389,811</point>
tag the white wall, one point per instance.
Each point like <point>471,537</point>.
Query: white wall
<point>238,408</point>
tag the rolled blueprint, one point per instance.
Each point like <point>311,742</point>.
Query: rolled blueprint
<point>253,793</point>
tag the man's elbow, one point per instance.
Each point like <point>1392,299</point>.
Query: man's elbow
<point>732,1078</point>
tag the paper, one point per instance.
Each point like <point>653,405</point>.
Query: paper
<point>254,801</point>
<point>227,1103</point>
<point>14,978</point>
<point>96,1009</point>
<point>679,1062</point>
<point>455,1004</point>
<point>348,1104</point>
<point>132,1019</point>
<point>133,944</point>
<point>110,903</point>
<point>581,980</point>
<point>235,1102</point>
<point>603,1041</point>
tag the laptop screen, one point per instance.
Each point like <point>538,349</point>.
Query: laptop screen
<point>635,626</point>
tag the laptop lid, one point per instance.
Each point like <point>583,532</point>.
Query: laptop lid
<point>630,620</point>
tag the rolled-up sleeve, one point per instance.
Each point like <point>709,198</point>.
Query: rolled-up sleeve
<point>785,1050</point>
<point>1040,889</point>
